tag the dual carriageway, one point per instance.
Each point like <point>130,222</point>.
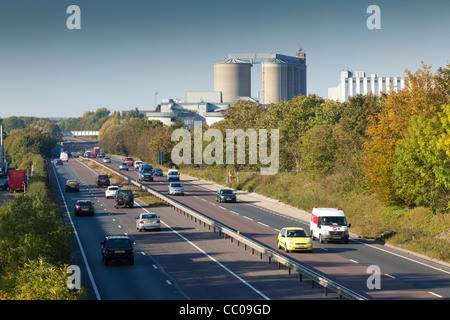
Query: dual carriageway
<point>184,261</point>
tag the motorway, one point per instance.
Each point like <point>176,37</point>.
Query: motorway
<point>404,276</point>
<point>180,262</point>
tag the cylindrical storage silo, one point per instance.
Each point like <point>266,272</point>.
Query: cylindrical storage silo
<point>233,78</point>
<point>290,81</point>
<point>274,81</point>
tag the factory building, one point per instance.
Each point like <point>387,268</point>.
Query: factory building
<point>283,77</point>
<point>353,83</point>
<point>204,106</point>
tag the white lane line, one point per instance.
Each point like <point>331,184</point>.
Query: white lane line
<point>399,255</point>
<point>435,294</point>
<point>211,258</point>
<point>94,286</point>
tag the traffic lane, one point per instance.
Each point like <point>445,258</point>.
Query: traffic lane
<point>418,274</point>
<point>117,281</point>
<point>209,281</point>
<point>358,272</point>
<point>180,254</point>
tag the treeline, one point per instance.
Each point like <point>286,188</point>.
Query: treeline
<point>396,146</point>
<point>35,246</point>
<point>44,124</point>
<point>89,121</point>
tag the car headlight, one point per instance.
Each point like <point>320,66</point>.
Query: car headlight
<point>289,242</point>
<point>309,242</point>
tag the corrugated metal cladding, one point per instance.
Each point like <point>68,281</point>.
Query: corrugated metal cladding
<point>283,77</point>
<point>233,78</point>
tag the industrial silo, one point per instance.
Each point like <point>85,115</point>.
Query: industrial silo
<point>274,81</point>
<point>233,78</point>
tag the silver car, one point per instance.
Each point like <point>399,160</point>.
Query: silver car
<point>107,160</point>
<point>123,166</point>
<point>175,188</point>
<point>148,221</point>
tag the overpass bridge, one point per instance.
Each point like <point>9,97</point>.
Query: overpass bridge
<point>80,133</point>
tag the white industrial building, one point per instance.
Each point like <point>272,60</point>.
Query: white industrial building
<point>204,106</point>
<point>353,83</point>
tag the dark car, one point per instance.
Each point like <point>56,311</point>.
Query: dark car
<point>117,248</point>
<point>72,185</point>
<point>84,207</point>
<point>124,198</point>
<point>224,195</point>
<point>103,180</point>
<point>4,185</point>
<point>58,162</point>
<point>157,172</point>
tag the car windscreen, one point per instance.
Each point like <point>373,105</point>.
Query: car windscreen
<point>226,191</point>
<point>334,221</point>
<point>176,185</point>
<point>72,183</point>
<point>119,243</point>
<point>296,233</point>
<point>149,216</point>
<point>173,172</point>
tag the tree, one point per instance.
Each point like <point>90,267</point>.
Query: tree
<point>422,169</point>
<point>422,96</point>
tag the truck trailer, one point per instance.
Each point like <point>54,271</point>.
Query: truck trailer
<point>17,180</point>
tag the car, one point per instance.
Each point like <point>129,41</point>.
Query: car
<point>224,195</point>
<point>175,188</point>
<point>128,160</point>
<point>106,160</point>
<point>173,174</point>
<point>123,166</point>
<point>294,239</point>
<point>120,247</point>
<point>101,155</point>
<point>87,154</point>
<point>111,192</point>
<point>124,197</point>
<point>137,163</point>
<point>4,185</point>
<point>84,207</point>
<point>59,162</point>
<point>92,156</point>
<point>103,180</point>
<point>157,172</point>
<point>148,221</point>
<point>72,185</point>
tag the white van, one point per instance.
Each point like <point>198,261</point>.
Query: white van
<point>329,224</point>
<point>64,156</point>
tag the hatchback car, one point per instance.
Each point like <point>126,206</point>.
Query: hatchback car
<point>137,163</point>
<point>294,239</point>
<point>173,175</point>
<point>117,248</point>
<point>128,160</point>
<point>157,172</point>
<point>103,180</point>
<point>123,166</point>
<point>111,192</point>
<point>175,188</point>
<point>148,221</point>
<point>84,207</point>
<point>224,195</point>
<point>106,160</point>
<point>72,185</point>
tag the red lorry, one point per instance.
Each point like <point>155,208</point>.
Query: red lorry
<point>16,180</point>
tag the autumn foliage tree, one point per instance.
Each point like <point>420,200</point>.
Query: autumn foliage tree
<point>422,96</point>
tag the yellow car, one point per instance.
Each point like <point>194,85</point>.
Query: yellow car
<point>294,239</point>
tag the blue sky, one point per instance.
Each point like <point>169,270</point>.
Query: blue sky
<point>126,51</point>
